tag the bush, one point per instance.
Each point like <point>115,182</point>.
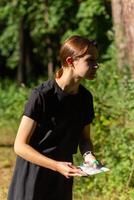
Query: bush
<point>12,101</point>
<point>112,135</point>
<point>112,132</point>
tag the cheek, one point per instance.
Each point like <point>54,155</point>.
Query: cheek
<point>84,66</point>
<point>84,72</point>
<point>82,69</point>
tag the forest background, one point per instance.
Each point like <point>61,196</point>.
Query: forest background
<point>30,35</point>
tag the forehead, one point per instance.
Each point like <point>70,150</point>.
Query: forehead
<point>92,53</point>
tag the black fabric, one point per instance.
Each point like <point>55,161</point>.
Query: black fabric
<point>32,182</point>
<point>60,119</point>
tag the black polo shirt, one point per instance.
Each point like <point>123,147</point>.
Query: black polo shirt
<point>60,117</point>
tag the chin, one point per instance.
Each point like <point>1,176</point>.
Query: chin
<point>91,77</point>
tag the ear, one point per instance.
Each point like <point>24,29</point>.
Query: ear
<point>69,60</point>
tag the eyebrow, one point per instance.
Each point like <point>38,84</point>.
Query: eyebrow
<point>92,58</point>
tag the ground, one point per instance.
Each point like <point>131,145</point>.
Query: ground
<point>7,159</point>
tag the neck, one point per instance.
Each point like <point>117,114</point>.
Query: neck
<point>68,83</point>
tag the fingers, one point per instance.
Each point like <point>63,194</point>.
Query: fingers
<point>68,169</point>
<point>73,171</point>
<point>70,174</point>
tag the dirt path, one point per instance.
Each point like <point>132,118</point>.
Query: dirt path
<point>7,159</point>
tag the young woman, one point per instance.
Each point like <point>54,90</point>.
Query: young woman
<point>55,121</point>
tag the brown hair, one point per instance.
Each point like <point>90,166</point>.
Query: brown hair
<point>75,47</point>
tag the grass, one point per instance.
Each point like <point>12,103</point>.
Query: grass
<point>7,159</point>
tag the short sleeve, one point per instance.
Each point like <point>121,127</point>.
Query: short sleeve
<point>33,107</point>
<point>89,110</point>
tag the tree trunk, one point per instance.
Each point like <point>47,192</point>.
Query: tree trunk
<point>128,17</point>
<point>21,73</point>
<point>50,63</point>
<point>25,69</point>
<point>123,19</point>
<point>29,62</point>
<point>50,67</point>
<point>119,33</point>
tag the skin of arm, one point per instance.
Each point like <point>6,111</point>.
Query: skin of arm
<point>24,150</point>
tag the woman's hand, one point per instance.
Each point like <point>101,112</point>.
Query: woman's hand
<point>68,169</point>
<point>91,160</point>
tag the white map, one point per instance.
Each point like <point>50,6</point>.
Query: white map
<point>91,171</point>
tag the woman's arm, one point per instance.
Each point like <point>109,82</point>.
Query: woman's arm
<point>24,150</point>
<point>86,147</point>
<point>85,140</point>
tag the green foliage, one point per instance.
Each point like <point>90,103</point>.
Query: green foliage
<point>113,135</point>
<point>55,20</point>
<point>12,100</point>
<point>93,20</point>
<point>9,33</point>
<point>11,15</point>
<point>113,128</point>
<point>57,13</point>
<point>112,132</point>
<point>87,16</point>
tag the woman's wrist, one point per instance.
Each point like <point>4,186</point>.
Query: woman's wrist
<point>55,165</point>
<point>88,153</point>
<point>90,159</point>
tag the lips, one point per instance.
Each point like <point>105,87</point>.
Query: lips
<point>93,74</point>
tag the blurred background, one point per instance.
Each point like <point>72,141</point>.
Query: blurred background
<point>30,36</point>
